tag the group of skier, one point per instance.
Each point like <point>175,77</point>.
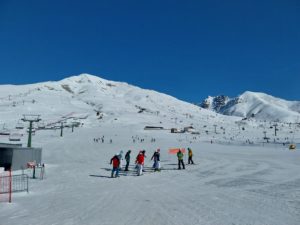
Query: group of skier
<point>116,161</point>
<point>180,158</point>
<point>102,140</point>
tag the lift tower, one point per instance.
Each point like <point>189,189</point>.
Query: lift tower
<point>31,119</point>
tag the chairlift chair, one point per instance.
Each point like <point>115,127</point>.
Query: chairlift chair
<point>15,137</point>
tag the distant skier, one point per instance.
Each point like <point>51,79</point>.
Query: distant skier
<point>140,163</point>
<point>127,158</point>
<point>190,154</point>
<point>115,163</point>
<point>156,159</point>
<point>180,160</point>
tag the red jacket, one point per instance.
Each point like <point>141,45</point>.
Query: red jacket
<point>140,158</point>
<point>115,162</point>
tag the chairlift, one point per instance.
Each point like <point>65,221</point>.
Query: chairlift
<point>15,137</point>
<point>41,125</point>
<point>4,130</point>
<point>19,125</point>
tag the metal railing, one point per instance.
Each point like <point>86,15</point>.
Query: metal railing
<point>15,183</point>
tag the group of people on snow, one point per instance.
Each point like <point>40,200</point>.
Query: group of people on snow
<point>116,161</point>
<point>141,140</point>
<point>180,158</point>
<point>102,140</point>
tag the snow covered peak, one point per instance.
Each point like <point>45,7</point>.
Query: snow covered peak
<point>83,78</point>
<point>255,104</point>
<point>249,95</point>
<point>215,103</point>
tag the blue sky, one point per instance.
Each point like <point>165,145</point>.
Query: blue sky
<point>188,49</point>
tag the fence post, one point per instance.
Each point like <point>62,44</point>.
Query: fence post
<point>27,184</point>
<point>33,173</point>
<point>10,186</point>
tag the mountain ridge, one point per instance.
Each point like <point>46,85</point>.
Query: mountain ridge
<point>254,104</point>
<point>85,94</point>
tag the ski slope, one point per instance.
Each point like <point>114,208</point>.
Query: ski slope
<point>228,185</point>
<point>241,178</point>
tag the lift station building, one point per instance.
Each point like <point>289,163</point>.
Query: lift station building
<point>16,157</point>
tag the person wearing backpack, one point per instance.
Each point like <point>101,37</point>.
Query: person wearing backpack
<point>115,161</point>
<point>190,154</point>
<point>180,159</point>
<point>127,158</point>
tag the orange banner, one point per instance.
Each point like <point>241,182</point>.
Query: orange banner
<point>174,151</point>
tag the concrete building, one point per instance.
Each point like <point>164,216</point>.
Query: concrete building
<point>17,157</point>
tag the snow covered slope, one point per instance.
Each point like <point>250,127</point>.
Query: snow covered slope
<point>254,104</point>
<point>93,102</point>
<point>96,101</point>
<point>244,173</point>
<point>242,185</point>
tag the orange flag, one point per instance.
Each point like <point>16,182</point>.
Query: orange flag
<point>174,151</point>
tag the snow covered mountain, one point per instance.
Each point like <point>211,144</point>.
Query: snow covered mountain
<point>95,100</point>
<point>253,104</point>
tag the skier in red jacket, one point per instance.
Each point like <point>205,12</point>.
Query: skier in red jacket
<point>140,162</point>
<point>115,161</point>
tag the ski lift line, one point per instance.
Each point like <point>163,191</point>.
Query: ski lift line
<point>64,118</point>
<point>68,115</point>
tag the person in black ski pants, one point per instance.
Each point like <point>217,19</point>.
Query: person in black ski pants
<point>156,158</point>
<point>127,158</point>
<point>180,160</point>
<point>190,153</point>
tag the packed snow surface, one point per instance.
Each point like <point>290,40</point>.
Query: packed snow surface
<point>229,184</point>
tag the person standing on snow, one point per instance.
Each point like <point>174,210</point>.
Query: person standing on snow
<point>144,153</point>
<point>120,155</point>
<point>115,161</point>
<point>156,159</point>
<point>127,158</point>
<point>140,162</point>
<point>190,154</point>
<point>180,160</point>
